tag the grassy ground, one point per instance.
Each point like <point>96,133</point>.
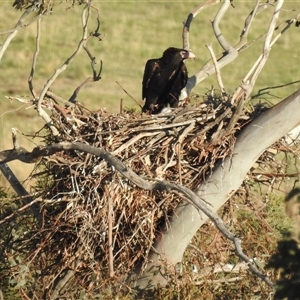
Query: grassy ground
<point>132,32</point>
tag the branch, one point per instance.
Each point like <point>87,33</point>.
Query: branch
<point>189,19</point>
<point>30,12</point>
<point>230,55</point>
<point>37,50</point>
<point>219,78</point>
<point>248,22</point>
<point>85,18</point>
<point>218,34</point>
<point>17,186</point>
<point>96,75</point>
<point>250,79</point>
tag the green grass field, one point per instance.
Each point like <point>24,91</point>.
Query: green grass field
<point>132,32</point>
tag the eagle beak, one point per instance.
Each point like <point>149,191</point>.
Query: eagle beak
<point>187,55</point>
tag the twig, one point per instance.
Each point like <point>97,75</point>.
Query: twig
<point>248,22</point>
<point>128,94</point>
<point>37,50</point>
<point>85,18</point>
<point>218,34</point>
<point>189,19</point>
<point>96,75</point>
<point>110,228</point>
<point>230,55</point>
<point>250,79</point>
<point>218,74</point>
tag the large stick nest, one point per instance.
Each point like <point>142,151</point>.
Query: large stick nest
<point>88,201</point>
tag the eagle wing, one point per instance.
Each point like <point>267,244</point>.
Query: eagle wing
<point>179,81</point>
<point>150,73</point>
<point>184,76</point>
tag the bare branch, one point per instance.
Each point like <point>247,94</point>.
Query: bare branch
<point>250,79</point>
<point>149,185</point>
<point>218,74</point>
<point>30,15</point>
<point>229,56</point>
<point>218,34</point>
<point>34,60</point>
<point>248,22</point>
<point>85,18</point>
<point>110,230</point>
<point>190,17</point>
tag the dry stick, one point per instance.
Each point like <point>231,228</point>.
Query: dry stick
<point>110,228</point>
<point>17,186</point>
<point>128,94</point>
<point>30,15</point>
<point>218,34</point>
<point>85,18</point>
<point>247,25</point>
<point>218,74</point>
<point>250,79</point>
<point>36,53</point>
<point>231,53</point>
<point>178,145</point>
<point>151,186</point>
<point>189,19</point>
<point>96,75</point>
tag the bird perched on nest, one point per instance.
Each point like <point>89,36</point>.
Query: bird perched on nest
<point>164,78</point>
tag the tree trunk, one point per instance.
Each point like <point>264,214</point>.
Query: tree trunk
<point>228,176</point>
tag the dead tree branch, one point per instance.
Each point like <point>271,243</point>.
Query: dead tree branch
<point>85,19</point>
<point>34,60</point>
<point>230,55</point>
<point>189,19</point>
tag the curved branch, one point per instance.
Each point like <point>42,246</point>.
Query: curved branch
<point>189,19</point>
<point>218,34</point>
<point>85,18</point>
<point>230,55</point>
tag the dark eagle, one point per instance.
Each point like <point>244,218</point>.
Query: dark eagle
<point>164,78</point>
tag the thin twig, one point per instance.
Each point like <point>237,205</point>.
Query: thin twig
<point>218,73</point>
<point>85,18</point>
<point>34,60</point>
<point>128,94</point>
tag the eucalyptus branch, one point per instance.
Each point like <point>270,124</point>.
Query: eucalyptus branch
<point>189,19</point>
<point>85,18</point>
<point>7,42</point>
<point>218,34</point>
<point>230,55</point>
<point>248,22</point>
<point>29,16</point>
<point>36,53</point>
<point>96,75</point>
<point>218,74</point>
<point>250,79</point>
